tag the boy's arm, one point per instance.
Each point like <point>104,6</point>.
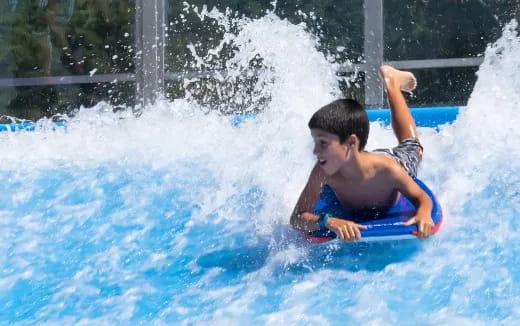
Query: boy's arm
<point>422,202</point>
<point>302,217</point>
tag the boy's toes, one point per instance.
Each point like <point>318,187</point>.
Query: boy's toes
<point>384,71</point>
<point>409,83</point>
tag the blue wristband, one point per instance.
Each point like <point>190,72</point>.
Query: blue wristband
<point>322,221</point>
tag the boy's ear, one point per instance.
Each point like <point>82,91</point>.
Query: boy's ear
<point>352,141</point>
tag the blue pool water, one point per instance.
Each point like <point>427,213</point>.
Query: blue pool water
<point>178,217</point>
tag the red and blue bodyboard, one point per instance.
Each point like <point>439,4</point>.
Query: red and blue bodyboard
<point>383,227</point>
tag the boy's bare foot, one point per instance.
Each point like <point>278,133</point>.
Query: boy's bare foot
<point>403,80</point>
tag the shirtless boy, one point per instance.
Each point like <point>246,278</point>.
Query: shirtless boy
<point>364,181</point>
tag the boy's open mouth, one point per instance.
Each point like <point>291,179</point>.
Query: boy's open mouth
<point>322,162</point>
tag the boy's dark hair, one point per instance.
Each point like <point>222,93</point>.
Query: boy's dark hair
<point>342,118</point>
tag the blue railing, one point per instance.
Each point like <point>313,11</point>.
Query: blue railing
<point>424,117</point>
<point>28,126</point>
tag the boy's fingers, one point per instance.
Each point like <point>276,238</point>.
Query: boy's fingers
<point>429,228</point>
<point>339,232</point>
<point>353,232</point>
<point>358,234</point>
<point>350,232</point>
<point>344,234</point>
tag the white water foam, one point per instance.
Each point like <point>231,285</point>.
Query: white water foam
<point>179,217</point>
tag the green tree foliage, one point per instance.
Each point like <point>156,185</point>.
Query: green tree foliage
<point>53,38</point>
<point>100,35</point>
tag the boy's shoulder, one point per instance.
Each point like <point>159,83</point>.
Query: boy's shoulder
<point>378,161</point>
<point>380,166</point>
<point>373,165</point>
<point>385,166</point>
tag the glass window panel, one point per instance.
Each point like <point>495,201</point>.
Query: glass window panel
<point>421,29</point>
<point>66,37</point>
<point>339,24</point>
<point>352,85</point>
<point>35,102</point>
<point>443,87</point>
<point>173,89</point>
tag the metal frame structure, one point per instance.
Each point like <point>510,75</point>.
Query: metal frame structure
<point>149,27</point>
<point>150,43</point>
<point>373,52</point>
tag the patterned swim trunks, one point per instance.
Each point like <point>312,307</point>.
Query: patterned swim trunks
<point>406,154</point>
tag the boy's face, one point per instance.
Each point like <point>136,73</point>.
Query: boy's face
<point>331,154</point>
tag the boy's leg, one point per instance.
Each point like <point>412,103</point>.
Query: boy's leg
<point>396,81</point>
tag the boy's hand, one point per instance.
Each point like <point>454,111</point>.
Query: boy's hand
<point>346,230</point>
<point>425,225</point>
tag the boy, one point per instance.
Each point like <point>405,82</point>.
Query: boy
<point>364,182</point>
